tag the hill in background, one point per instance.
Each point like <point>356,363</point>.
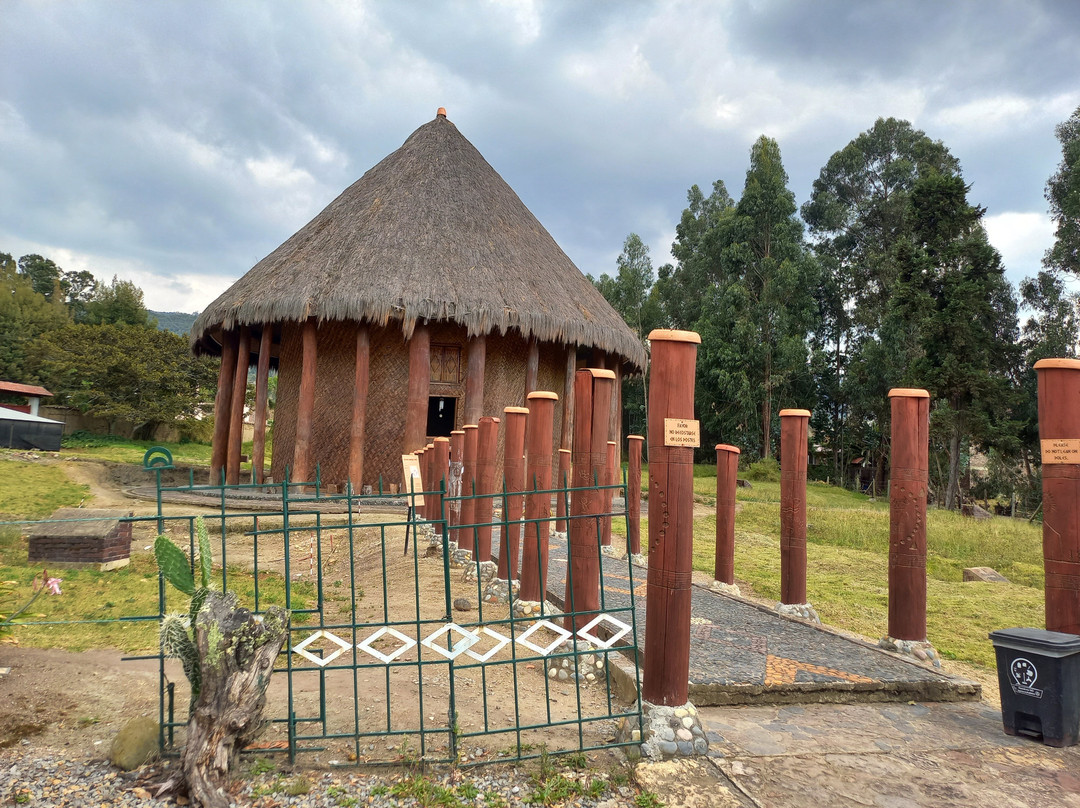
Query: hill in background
<point>178,322</point>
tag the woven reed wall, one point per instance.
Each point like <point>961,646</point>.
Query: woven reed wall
<point>504,385</point>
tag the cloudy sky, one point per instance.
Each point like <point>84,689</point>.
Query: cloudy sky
<point>177,143</point>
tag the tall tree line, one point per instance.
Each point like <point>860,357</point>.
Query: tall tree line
<point>884,278</point>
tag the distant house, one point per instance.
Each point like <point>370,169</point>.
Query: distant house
<point>31,392</point>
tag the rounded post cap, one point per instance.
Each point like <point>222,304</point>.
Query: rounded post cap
<point>611,443</point>
<point>635,437</point>
<point>471,426</point>
<point>564,450</point>
<point>516,410</point>
<point>796,413</point>
<point>457,431</point>
<point>599,373</point>
<point>727,447</point>
<point>430,446</point>
<point>543,394</point>
<point>672,335</point>
<point>489,419</point>
<point>908,392</point>
<point>443,440</point>
<point>1046,364</point>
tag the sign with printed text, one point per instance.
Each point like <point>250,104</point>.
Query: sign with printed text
<point>410,466</point>
<point>682,432</point>
<point>1061,450</point>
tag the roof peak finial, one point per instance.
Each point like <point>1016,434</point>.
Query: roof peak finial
<point>442,112</point>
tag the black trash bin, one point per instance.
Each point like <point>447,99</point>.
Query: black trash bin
<point>1039,678</point>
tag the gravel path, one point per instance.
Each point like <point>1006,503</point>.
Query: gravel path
<point>45,778</point>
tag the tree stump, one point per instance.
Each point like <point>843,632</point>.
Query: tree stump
<point>236,652</point>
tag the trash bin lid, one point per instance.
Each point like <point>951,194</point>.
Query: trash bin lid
<point>1048,643</point>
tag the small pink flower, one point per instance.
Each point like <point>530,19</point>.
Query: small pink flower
<point>53,585</point>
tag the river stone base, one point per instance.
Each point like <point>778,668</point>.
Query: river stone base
<point>803,611</point>
<point>725,589</point>
<point>670,732</point>
<point>459,557</point>
<point>586,667</point>
<point>498,590</point>
<point>559,535</point>
<point>639,560</point>
<point>611,551</point>
<point>534,609</point>
<point>920,650</point>
<point>485,569</point>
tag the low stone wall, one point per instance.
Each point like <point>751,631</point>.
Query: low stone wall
<point>82,537</point>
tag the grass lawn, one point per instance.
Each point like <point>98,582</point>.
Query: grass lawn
<point>121,450</point>
<point>34,490</point>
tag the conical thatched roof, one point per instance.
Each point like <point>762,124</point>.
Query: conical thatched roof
<point>430,233</point>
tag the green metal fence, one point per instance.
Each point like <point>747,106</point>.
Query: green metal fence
<point>384,660</point>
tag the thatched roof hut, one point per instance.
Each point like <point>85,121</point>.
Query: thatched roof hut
<point>431,237</point>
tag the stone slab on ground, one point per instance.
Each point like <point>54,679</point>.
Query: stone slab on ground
<point>987,574</point>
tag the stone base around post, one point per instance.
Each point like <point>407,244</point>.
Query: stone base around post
<point>921,650</point>
<point>534,609</point>
<point>639,560</point>
<point>587,666</point>
<point>459,557</point>
<point>611,551</point>
<point>725,589</point>
<point>485,569</point>
<point>670,732</point>
<point>803,611</point>
<point>498,590</point>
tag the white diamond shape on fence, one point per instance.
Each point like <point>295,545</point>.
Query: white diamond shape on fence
<point>301,649</point>
<point>367,646</point>
<point>468,640</point>
<point>500,640</point>
<point>562,632</point>
<point>583,632</point>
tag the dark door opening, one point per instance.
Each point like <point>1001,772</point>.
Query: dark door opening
<point>440,416</point>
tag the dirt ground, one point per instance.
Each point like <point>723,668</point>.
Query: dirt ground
<point>77,701</point>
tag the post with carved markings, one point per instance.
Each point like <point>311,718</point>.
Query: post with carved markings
<point>514,479</point>
<point>673,436</point>
<point>727,472</point>
<point>534,545</point>
<point>909,462</point>
<point>1059,437</point>
<point>793,428</point>
<point>633,495</point>
<point>563,481</point>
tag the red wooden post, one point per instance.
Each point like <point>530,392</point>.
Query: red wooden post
<point>562,481</point>
<point>666,675</point>
<point>514,479</point>
<point>633,494</point>
<point>358,424</point>
<point>262,377</point>
<point>610,478</point>
<point>568,402</point>
<point>428,477</point>
<point>421,511</point>
<point>1059,436</point>
<point>592,394</point>
<point>486,464</point>
<point>534,553</point>
<point>727,472</point>
<point>454,487</point>
<point>909,462</point>
<point>442,464</point>
<point>793,448</point>
<point>475,359</point>
<point>305,408</point>
<point>419,388</point>
<point>467,536</point>
<point>223,405</point>
<point>236,414</point>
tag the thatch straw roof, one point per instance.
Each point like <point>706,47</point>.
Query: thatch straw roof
<point>430,233</point>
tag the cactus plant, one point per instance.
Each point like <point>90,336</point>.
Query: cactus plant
<point>176,633</point>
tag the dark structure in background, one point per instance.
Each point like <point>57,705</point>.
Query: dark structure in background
<point>20,430</point>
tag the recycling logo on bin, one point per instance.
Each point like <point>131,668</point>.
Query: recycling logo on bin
<point>1024,674</point>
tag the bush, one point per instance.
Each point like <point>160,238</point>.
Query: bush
<point>89,440</point>
<point>766,470</point>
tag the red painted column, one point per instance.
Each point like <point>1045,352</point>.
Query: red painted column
<point>793,449</point>
<point>592,394</point>
<point>486,464</point>
<point>610,478</point>
<point>666,675</point>
<point>427,464</point>
<point>419,388</point>
<point>909,462</point>
<point>454,486</point>
<point>422,510</point>
<point>1059,436</point>
<point>236,412</point>
<point>223,405</point>
<point>469,487</point>
<point>514,479</point>
<point>475,360</point>
<point>633,494</point>
<point>727,472</point>
<point>539,438</point>
<point>439,478</point>
<point>262,394</point>
<point>358,425</point>
<point>305,408</point>
<point>562,481</point>
<point>568,401</point>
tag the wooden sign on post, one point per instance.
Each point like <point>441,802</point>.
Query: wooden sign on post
<point>410,466</point>
<point>682,432</point>
<point>1060,451</point>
